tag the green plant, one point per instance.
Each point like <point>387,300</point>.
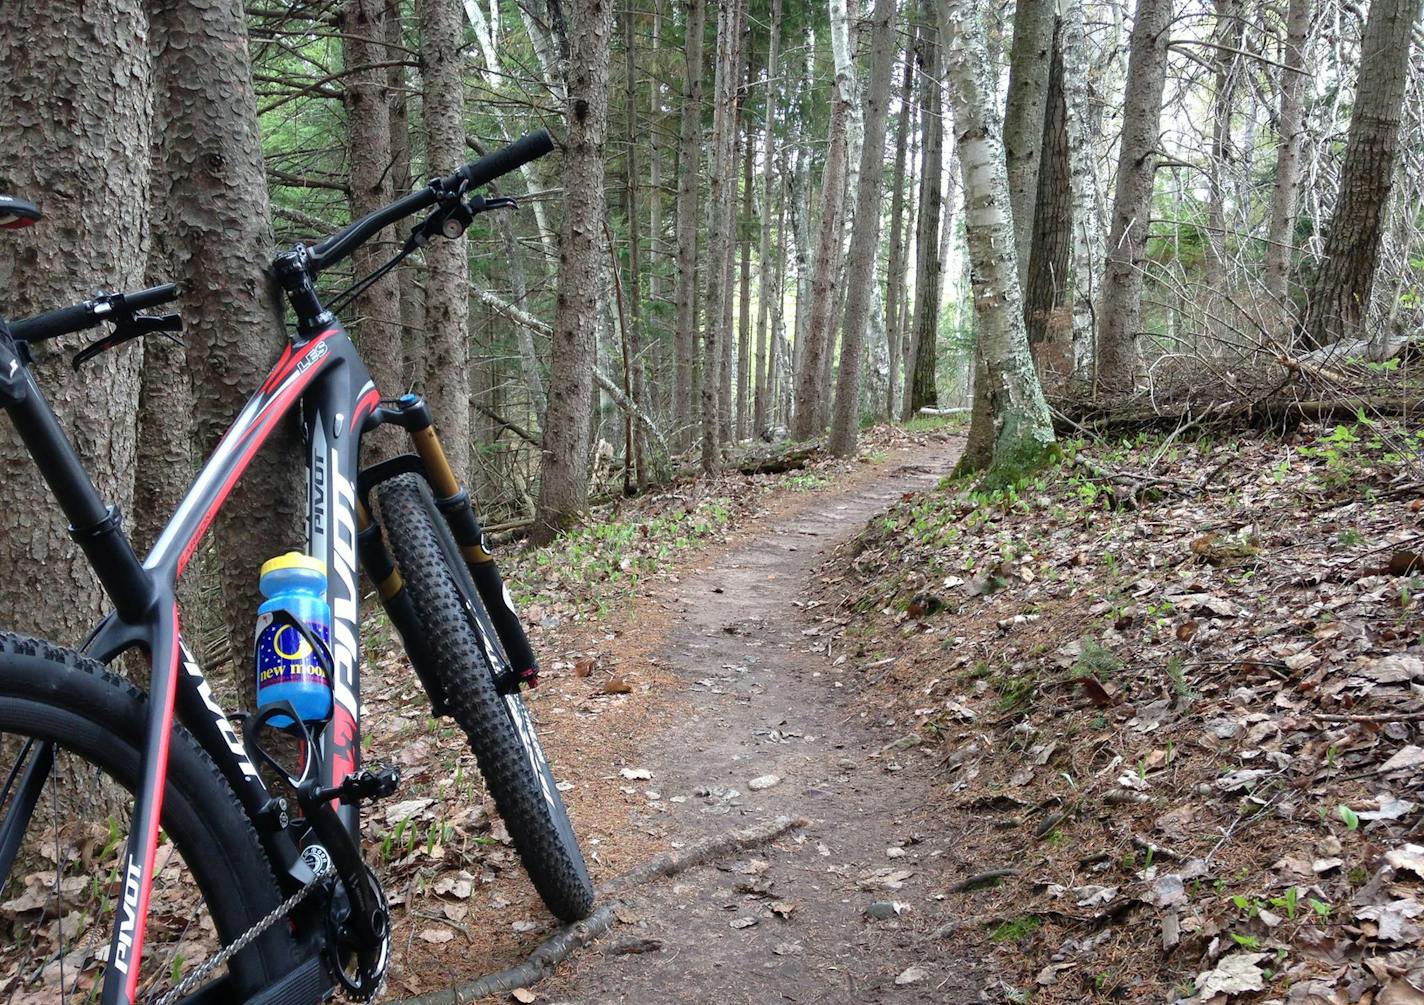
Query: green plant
<point>1287,903</point>
<point>1016,929</point>
<point>1350,818</point>
<point>1095,660</point>
<point>1247,941</point>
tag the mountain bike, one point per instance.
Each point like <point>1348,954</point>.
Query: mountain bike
<point>149,849</point>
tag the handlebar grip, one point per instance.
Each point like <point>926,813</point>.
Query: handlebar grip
<point>529,147</point>
<point>54,323</point>
<point>151,297</point>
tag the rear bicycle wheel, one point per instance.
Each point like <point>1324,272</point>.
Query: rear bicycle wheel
<point>70,741</point>
<point>461,647</point>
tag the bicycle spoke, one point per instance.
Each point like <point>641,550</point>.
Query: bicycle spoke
<point>17,819</point>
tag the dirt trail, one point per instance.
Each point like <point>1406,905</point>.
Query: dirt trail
<point>767,699</point>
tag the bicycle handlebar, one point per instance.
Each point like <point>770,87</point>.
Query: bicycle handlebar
<point>90,313</point>
<point>531,146</point>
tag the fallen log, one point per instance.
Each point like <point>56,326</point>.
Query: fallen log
<point>775,462</point>
<point>1274,411</point>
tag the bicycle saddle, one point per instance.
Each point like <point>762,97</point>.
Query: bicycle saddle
<point>17,213</point>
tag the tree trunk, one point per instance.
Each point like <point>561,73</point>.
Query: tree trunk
<point>726,418</point>
<point>800,178</point>
<point>1046,312</point>
<point>447,282</point>
<point>924,324</point>
<point>764,365</point>
<point>1340,293</point>
<point>635,277</point>
<point>1121,311</point>
<point>563,468</point>
<point>744,321</point>
<point>410,274</point>
<point>722,184</point>
<point>1291,132</point>
<point>1086,210</point>
<point>1023,117</point>
<point>689,170</point>
<point>368,131</point>
<point>865,238</point>
<point>1227,32</point>
<point>895,267</point>
<point>808,416</point>
<point>1022,429</point>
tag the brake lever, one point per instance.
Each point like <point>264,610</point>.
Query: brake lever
<point>479,204</point>
<point>127,329</point>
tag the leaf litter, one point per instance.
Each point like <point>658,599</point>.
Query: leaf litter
<point>1206,697</point>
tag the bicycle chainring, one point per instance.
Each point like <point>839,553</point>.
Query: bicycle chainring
<point>361,983</point>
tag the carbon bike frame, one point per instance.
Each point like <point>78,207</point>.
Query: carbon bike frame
<point>323,377</point>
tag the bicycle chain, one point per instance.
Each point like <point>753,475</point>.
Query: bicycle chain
<point>247,938</point>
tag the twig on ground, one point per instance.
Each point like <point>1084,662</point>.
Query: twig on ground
<point>541,963</point>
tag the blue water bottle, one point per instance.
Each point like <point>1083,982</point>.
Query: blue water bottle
<point>287,667</point>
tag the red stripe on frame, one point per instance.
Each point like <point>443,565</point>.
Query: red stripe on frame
<point>150,845</point>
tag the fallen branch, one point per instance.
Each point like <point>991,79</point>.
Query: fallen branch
<point>1265,412</point>
<point>778,462</point>
<point>541,963</point>
<point>508,424</point>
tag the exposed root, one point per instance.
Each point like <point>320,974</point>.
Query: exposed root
<point>546,957</point>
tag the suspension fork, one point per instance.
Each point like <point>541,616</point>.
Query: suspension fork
<point>453,502</point>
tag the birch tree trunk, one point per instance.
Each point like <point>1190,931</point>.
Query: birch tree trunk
<point>1291,132</point>
<point>689,170</point>
<point>1022,428</point>
<point>808,414</point>
<point>865,239</point>
<point>1227,34</point>
<point>924,322</point>
<point>726,419</point>
<point>801,211</point>
<point>1023,117</point>
<point>764,367</point>
<point>1121,309</point>
<point>1340,292</point>
<point>368,132</point>
<point>1085,196</point>
<point>563,468</point>
<point>895,267</point>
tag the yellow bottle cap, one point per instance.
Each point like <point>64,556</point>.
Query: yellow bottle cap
<point>293,560</point>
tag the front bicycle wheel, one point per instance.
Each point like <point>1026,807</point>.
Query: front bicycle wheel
<point>70,741</point>
<point>460,644</point>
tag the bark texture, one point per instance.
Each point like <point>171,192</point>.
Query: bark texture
<point>75,82</point>
<point>924,322</point>
<point>895,266</point>
<point>765,366</point>
<point>1340,294</point>
<point>216,222</point>
<point>1046,294</point>
<point>447,296</point>
<point>1023,116</point>
<point>1290,130</point>
<point>689,164</point>
<point>1121,310</point>
<point>865,235</point>
<point>808,416</point>
<point>563,469</point>
<point>1084,192</point>
<point>368,130</point>
<point>1022,429</point>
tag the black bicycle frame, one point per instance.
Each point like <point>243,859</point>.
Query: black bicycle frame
<point>323,377</point>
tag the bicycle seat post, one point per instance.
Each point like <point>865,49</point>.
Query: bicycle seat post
<point>93,524</point>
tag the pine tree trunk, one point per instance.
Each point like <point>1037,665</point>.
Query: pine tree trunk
<point>1022,428</point>
<point>1121,310</point>
<point>1291,132</point>
<point>765,367</point>
<point>924,324</point>
<point>722,182</point>
<point>744,321</point>
<point>368,130</point>
<point>689,171</point>
<point>808,415</point>
<point>635,276</point>
<point>865,237</point>
<point>726,418</point>
<point>1228,32</point>
<point>1046,311</point>
<point>1086,211</point>
<point>409,275</point>
<point>563,468</point>
<point>895,267</point>
<point>447,282</point>
<point>213,181</point>
<point>1340,294</point>
<point>1023,117</point>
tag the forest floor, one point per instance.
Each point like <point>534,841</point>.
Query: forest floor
<point>678,672</point>
<point>1147,728</point>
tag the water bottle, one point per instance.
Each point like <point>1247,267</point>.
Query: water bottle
<point>287,667</point>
